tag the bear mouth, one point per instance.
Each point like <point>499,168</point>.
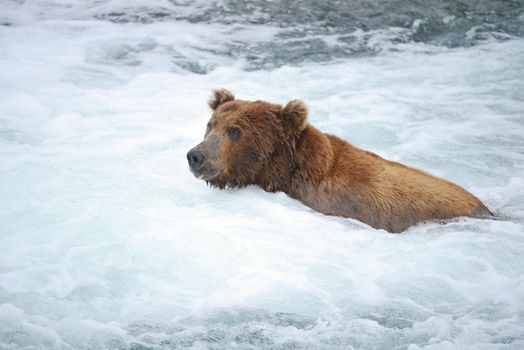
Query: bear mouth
<point>206,176</point>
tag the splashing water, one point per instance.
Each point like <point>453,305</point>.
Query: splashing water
<point>108,242</point>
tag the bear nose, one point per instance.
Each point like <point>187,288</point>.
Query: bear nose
<point>195,158</point>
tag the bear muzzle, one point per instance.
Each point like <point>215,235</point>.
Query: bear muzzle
<point>204,160</point>
<point>202,164</point>
<point>196,159</point>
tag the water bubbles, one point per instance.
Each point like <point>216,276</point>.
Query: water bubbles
<point>108,241</point>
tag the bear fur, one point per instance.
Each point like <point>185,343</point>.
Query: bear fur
<point>274,147</point>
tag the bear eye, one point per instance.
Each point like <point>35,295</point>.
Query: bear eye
<point>208,128</point>
<point>234,133</point>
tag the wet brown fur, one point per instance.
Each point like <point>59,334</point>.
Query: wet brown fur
<point>279,151</point>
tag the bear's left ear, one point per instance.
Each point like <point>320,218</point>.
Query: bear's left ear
<point>295,115</point>
<point>220,96</point>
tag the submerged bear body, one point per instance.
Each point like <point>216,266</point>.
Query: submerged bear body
<point>274,147</point>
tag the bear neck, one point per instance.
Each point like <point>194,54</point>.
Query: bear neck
<point>276,175</point>
<point>298,162</point>
<point>313,159</point>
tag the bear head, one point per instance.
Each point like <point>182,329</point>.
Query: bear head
<point>247,142</point>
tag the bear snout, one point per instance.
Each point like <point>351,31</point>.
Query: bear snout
<point>195,158</point>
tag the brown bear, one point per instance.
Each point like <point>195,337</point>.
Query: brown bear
<point>261,143</point>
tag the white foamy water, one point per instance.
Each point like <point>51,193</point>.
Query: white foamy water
<point>108,242</point>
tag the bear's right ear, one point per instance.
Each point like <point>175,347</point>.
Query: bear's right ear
<point>220,96</point>
<point>295,115</point>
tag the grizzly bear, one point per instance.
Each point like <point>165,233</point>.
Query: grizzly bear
<point>274,147</point>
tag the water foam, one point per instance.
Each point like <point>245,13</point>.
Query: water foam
<point>108,241</point>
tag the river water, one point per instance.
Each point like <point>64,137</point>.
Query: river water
<point>108,242</point>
